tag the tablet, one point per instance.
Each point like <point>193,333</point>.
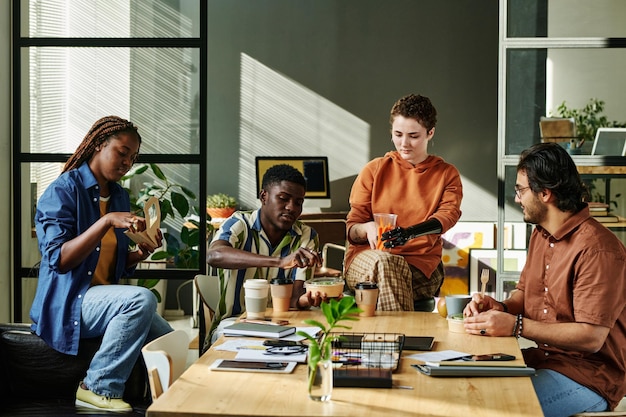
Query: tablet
<point>252,366</point>
<point>418,342</point>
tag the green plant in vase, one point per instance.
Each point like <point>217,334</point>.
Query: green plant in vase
<point>320,376</point>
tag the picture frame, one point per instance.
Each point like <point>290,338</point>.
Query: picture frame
<point>514,260</point>
<point>457,243</point>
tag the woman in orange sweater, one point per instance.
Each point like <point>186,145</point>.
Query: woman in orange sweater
<point>421,189</point>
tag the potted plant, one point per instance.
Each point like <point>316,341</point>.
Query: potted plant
<point>220,205</point>
<point>588,119</point>
<point>320,375</point>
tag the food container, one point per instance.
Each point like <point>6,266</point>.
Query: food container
<point>456,324</point>
<point>333,287</point>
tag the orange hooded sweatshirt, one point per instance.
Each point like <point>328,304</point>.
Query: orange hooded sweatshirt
<point>390,184</point>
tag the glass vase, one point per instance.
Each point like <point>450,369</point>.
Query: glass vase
<point>321,381</point>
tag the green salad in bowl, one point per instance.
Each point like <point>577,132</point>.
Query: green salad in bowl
<point>333,287</point>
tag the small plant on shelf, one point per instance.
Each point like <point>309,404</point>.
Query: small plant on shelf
<point>220,205</point>
<point>588,119</point>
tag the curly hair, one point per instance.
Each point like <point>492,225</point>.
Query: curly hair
<point>103,129</point>
<point>549,166</point>
<point>282,172</point>
<point>415,107</point>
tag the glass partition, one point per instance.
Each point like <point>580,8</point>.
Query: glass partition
<point>70,88</point>
<point>110,18</point>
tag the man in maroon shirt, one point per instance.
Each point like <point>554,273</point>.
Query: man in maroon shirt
<point>571,295</point>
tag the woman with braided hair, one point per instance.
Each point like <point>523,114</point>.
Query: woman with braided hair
<point>80,221</point>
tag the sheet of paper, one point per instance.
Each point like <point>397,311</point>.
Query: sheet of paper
<point>262,355</point>
<point>444,355</point>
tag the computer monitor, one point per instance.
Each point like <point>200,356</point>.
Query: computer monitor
<point>314,169</point>
<point>610,141</point>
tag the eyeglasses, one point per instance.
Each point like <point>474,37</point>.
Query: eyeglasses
<point>520,190</point>
<point>286,350</point>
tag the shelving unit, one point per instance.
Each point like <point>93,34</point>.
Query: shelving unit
<point>523,80</point>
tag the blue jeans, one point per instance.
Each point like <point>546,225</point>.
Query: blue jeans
<point>561,396</point>
<point>126,318</point>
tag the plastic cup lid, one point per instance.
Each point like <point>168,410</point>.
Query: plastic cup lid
<point>366,285</point>
<point>281,281</point>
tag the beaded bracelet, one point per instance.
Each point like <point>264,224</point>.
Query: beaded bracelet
<point>517,327</point>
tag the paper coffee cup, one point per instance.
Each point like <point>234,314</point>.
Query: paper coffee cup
<point>281,289</point>
<point>256,294</point>
<point>366,296</point>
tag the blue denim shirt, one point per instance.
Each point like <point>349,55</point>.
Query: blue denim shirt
<point>67,208</point>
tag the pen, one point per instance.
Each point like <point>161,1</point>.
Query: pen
<point>251,348</point>
<point>458,358</point>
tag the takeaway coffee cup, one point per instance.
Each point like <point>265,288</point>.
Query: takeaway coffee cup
<point>384,223</point>
<point>281,289</point>
<point>366,296</point>
<point>255,293</point>
<point>456,303</point>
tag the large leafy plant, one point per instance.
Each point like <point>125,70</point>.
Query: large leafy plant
<point>334,311</point>
<point>173,198</point>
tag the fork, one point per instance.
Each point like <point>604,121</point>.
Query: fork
<point>484,279</point>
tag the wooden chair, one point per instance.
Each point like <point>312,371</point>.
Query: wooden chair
<point>208,287</point>
<point>331,228</point>
<point>166,359</point>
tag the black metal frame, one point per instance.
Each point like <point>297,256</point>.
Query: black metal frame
<point>19,157</point>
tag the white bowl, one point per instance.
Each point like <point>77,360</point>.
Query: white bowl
<point>333,287</point>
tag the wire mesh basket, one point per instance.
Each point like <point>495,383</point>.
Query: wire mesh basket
<point>368,350</point>
<point>366,359</point>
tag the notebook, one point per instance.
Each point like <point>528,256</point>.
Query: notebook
<point>258,330</point>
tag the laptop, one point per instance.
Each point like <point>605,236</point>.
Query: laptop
<point>610,141</point>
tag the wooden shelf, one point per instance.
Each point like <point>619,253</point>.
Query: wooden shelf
<point>601,170</point>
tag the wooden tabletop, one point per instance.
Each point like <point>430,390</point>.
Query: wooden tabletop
<point>201,392</point>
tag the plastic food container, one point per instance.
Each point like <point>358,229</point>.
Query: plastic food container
<point>333,287</point>
<point>456,325</point>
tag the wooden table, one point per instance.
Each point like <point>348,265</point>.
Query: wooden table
<point>200,392</point>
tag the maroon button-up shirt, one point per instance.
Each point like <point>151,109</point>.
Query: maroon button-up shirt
<point>578,274</point>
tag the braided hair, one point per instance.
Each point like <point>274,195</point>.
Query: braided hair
<point>101,131</point>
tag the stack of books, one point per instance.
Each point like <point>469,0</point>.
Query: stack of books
<point>600,212</point>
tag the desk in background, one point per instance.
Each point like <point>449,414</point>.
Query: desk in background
<point>200,392</point>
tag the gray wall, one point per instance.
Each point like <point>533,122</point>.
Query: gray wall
<point>362,55</point>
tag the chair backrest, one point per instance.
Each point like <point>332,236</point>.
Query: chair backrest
<point>166,359</point>
<point>331,228</point>
<point>208,287</point>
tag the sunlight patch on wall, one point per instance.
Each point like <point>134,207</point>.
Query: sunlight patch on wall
<point>280,117</point>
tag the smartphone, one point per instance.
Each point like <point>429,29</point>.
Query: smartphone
<point>252,366</point>
<point>418,342</point>
<point>490,357</point>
